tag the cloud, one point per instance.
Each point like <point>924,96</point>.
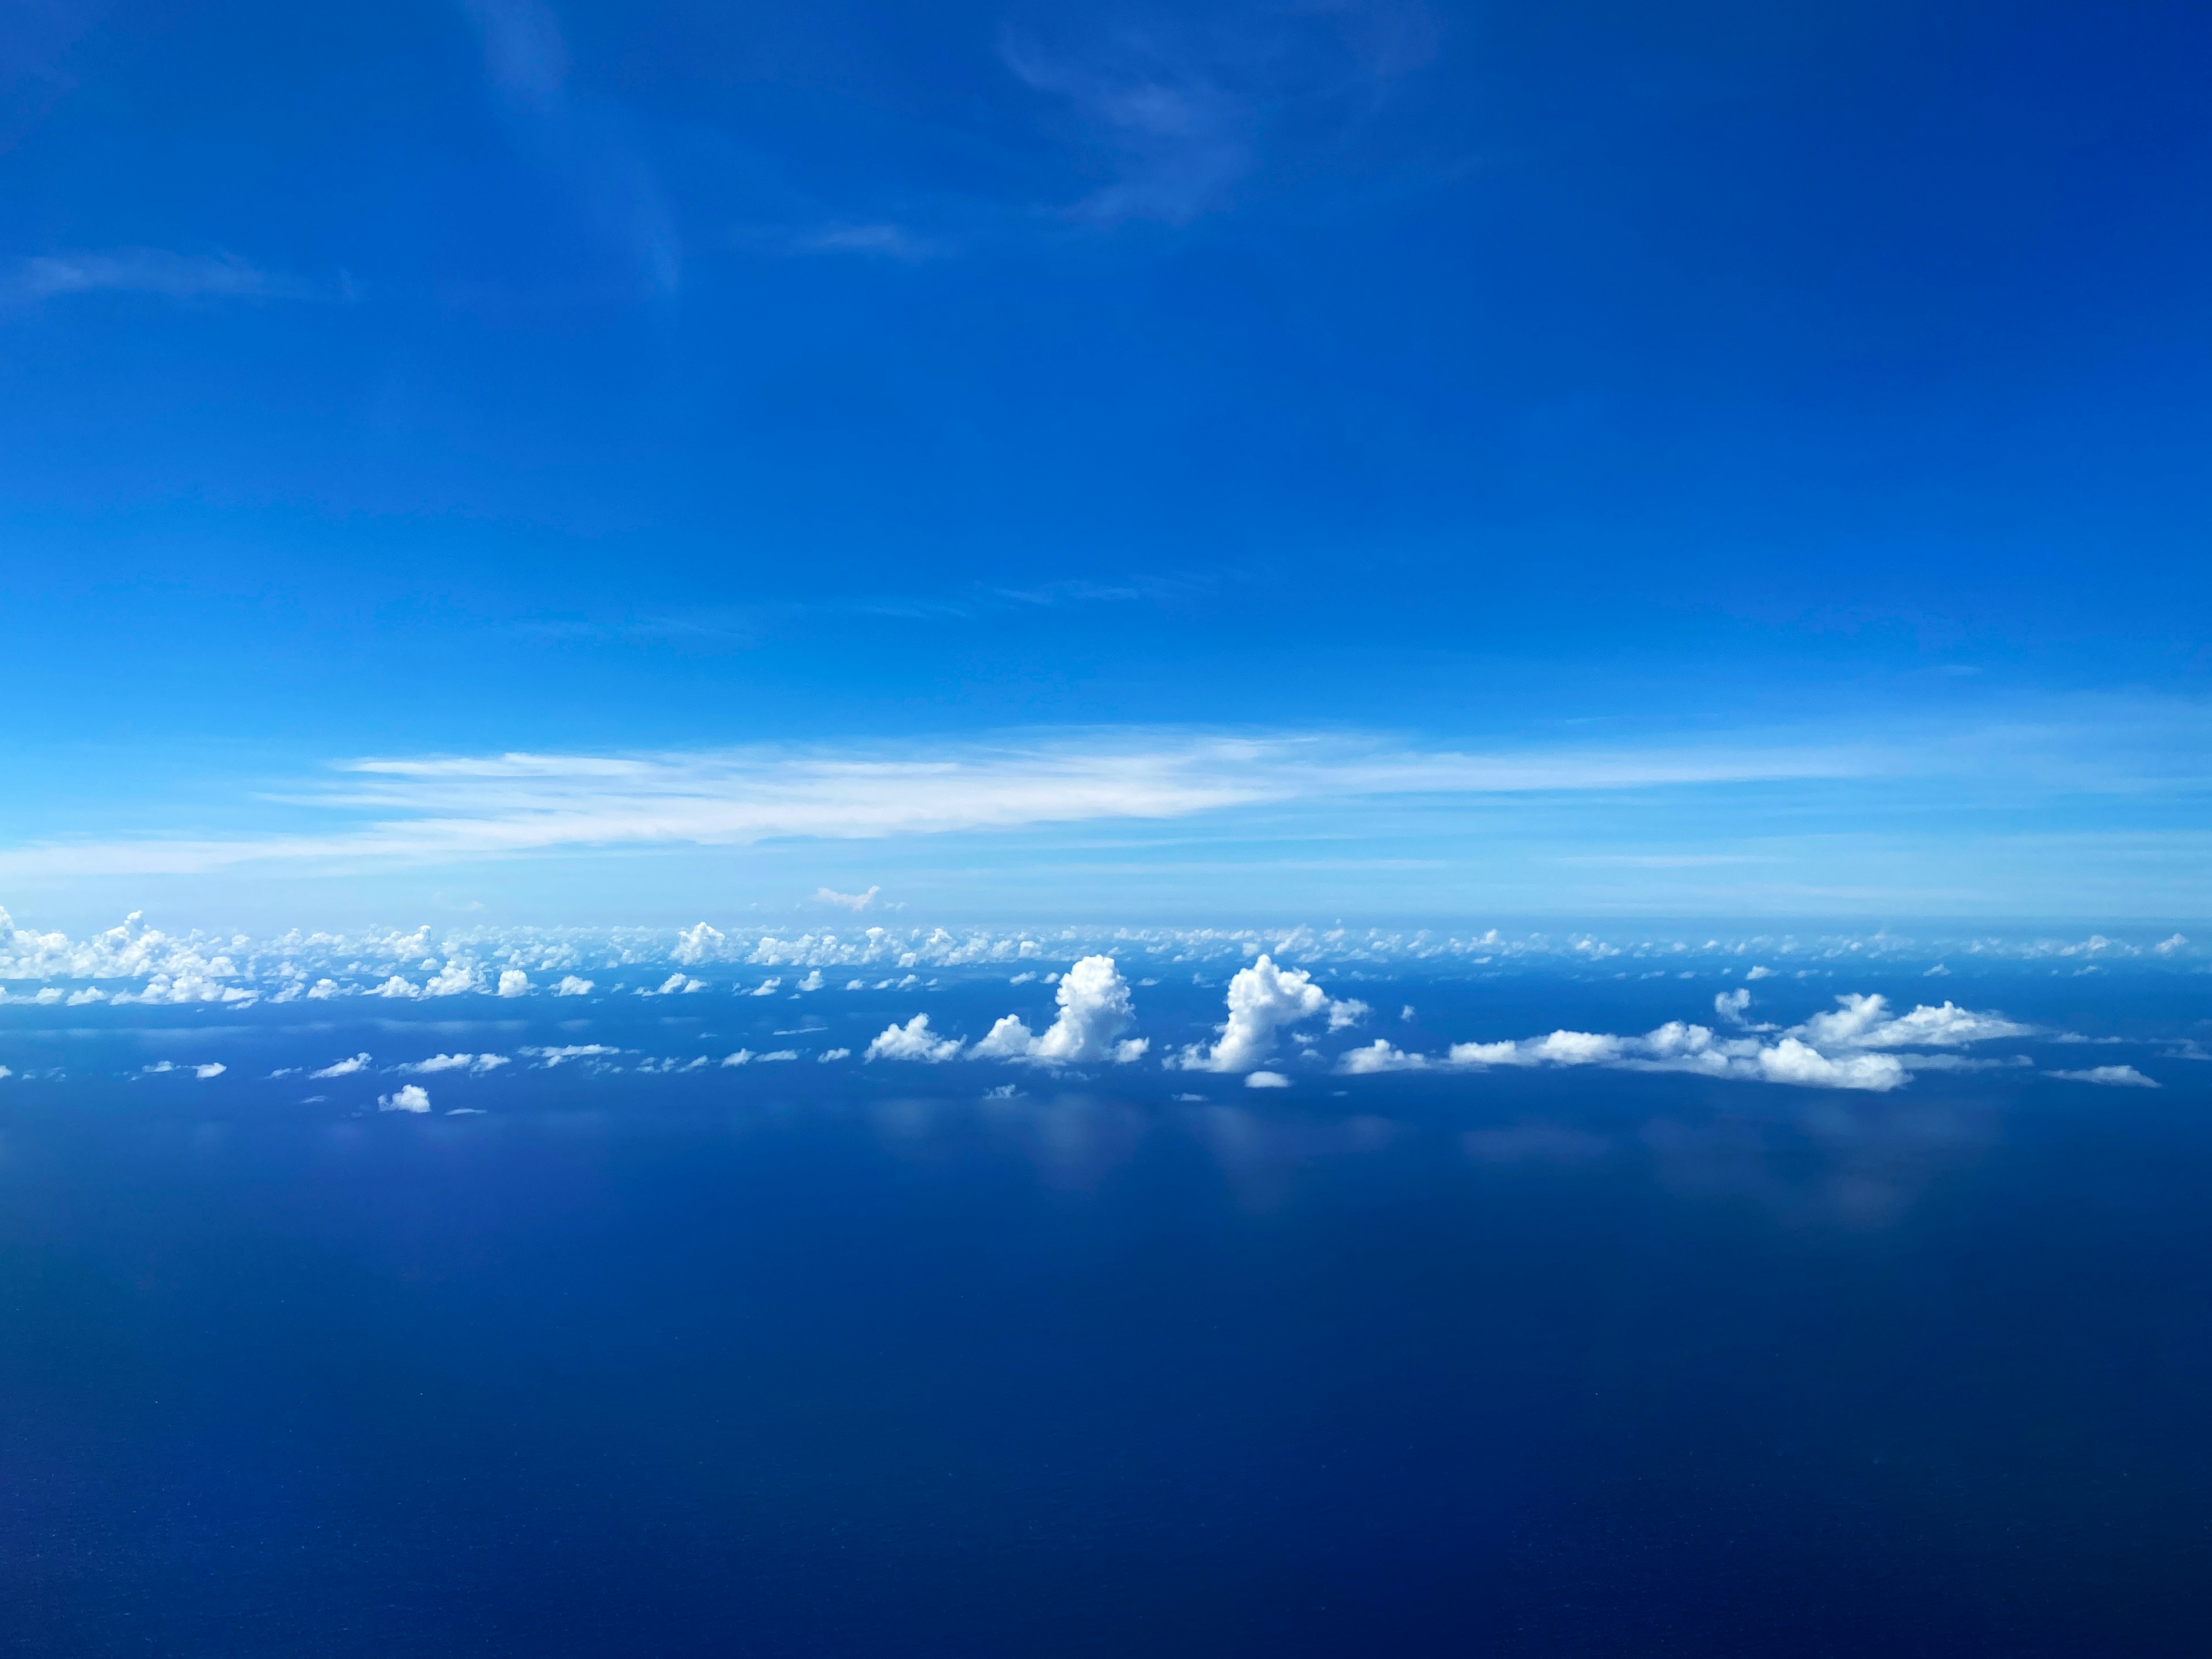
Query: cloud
<point>1094,1008</point>
<point>912,1041</point>
<point>1860,1046</point>
<point>141,270</point>
<point>2111,1076</point>
<point>479,1064</point>
<point>1181,113</point>
<point>881,238</point>
<point>409,1097</point>
<point>855,902</point>
<point>679,984</point>
<point>1267,1080</point>
<point>344,1067</point>
<point>513,983</point>
<point>495,806</point>
<point>1343,1016</point>
<point>1177,136</point>
<point>812,982</point>
<point>1379,1056</point>
<point>563,1055</point>
<point>828,1055</point>
<point>585,143</point>
<point>213,1068</point>
<point>1865,1022</point>
<point>1263,999</point>
<point>570,986</point>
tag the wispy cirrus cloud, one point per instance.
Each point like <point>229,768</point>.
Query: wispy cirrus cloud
<point>586,142</point>
<point>490,806</point>
<point>1179,109</point>
<point>143,270</point>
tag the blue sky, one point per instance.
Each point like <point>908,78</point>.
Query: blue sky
<point>1266,463</point>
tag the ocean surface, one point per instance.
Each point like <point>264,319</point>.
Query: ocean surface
<point>599,1355</point>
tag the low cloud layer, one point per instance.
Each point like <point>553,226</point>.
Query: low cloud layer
<point>1862,1045</point>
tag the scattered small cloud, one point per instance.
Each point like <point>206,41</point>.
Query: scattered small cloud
<point>2111,1077</point>
<point>344,1067</point>
<point>854,902</point>
<point>408,1097</point>
<point>478,1063</point>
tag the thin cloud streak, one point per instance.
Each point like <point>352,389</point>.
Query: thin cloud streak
<point>142,270</point>
<point>495,806</point>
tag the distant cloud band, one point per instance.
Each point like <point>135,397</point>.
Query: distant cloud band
<point>476,807</point>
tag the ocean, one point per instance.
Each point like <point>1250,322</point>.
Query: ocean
<point>610,1352</point>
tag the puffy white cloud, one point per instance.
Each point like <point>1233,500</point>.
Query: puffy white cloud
<point>478,1063</point>
<point>396,986</point>
<point>855,901</point>
<point>1730,1006</point>
<point>1488,1053</point>
<point>699,943</point>
<point>570,986</point>
<point>769,987</point>
<point>828,1055</point>
<point>1263,999</point>
<point>213,1068</point>
<point>2111,1076</point>
<point>513,983</point>
<point>1266,1080</point>
<point>344,1067</point>
<point>4,1071</point>
<point>1758,973</point>
<point>408,1097</point>
<point>1575,1048</point>
<point>1865,1022</point>
<point>2174,947</point>
<point>457,978</point>
<point>1094,1008</point>
<point>1381,1056</point>
<point>912,1041</point>
<point>1792,1061</point>
<point>1343,1016</point>
<point>812,982</point>
<point>742,1057</point>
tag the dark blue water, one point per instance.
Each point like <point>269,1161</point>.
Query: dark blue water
<point>833,1359</point>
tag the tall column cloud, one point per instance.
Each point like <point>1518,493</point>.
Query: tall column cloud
<point>1095,1009</point>
<point>1263,999</point>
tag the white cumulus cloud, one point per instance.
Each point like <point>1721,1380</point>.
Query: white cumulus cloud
<point>1263,999</point>
<point>408,1097</point>
<point>344,1067</point>
<point>1094,1008</point>
<point>912,1041</point>
<point>513,983</point>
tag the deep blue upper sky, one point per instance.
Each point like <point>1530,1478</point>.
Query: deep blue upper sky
<point>430,379</point>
